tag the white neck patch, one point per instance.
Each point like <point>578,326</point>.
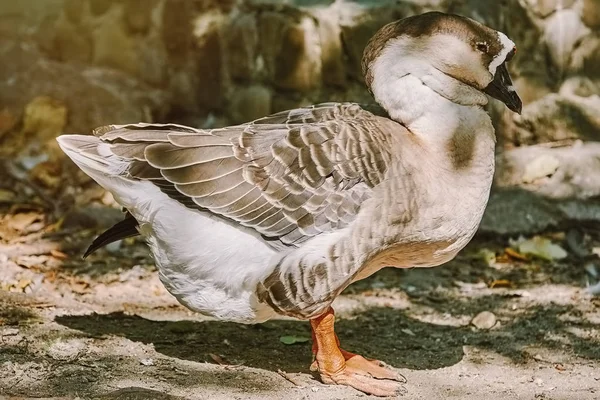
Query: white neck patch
<point>507,46</point>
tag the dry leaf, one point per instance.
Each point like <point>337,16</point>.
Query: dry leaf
<point>21,221</point>
<point>500,283</point>
<point>23,283</point>
<point>515,254</point>
<point>218,359</point>
<point>58,254</point>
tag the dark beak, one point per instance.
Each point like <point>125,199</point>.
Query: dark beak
<point>502,88</point>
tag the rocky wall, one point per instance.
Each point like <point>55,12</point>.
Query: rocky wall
<point>214,62</point>
<point>72,65</point>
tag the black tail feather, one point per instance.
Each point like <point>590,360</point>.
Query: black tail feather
<point>121,230</point>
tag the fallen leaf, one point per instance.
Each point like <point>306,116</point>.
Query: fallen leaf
<point>23,283</point>
<point>79,286</point>
<point>291,339</point>
<point>498,283</point>
<point>58,254</point>
<point>217,358</point>
<point>21,221</point>
<point>408,332</point>
<point>515,254</point>
<point>542,248</point>
<point>487,255</point>
<point>46,174</point>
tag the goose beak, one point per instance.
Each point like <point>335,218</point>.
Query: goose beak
<point>502,88</point>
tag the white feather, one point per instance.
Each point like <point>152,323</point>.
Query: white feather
<point>208,264</point>
<point>507,46</point>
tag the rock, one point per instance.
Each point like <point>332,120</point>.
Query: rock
<point>518,211</point>
<point>92,217</point>
<point>571,194</point>
<point>271,27</point>
<point>114,48</point>
<point>562,30</point>
<point>333,67</point>
<point>66,350</point>
<point>99,7</point>
<point>8,121</point>
<point>541,167</point>
<point>576,170</point>
<point>209,61</point>
<point>531,88</point>
<point>177,30</point>
<point>591,13</point>
<point>44,117</point>
<point>147,362</point>
<point>242,42</point>
<point>92,96</point>
<point>71,44</point>
<point>74,10</point>
<point>138,15</point>
<point>546,7</point>
<point>485,320</point>
<point>557,117</point>
<point>579,86</point>
<point>283,101</point>
<point>250,103</point>
<point>358,25</point>
<point>298,65</point>
<point>585,59</point>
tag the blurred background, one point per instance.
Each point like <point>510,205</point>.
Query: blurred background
<point>68,66</point>
<point>73,65</point>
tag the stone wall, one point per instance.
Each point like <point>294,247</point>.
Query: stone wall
<point>72,65</point>
<point>211,62</point>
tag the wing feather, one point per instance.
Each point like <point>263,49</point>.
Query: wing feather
<point>290,176</point>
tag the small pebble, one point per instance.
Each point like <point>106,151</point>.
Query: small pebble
<point>147,362</point>
<point>484,320</point>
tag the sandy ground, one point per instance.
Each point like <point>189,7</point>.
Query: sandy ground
<point>106,328</point>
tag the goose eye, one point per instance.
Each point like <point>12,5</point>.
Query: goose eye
<point>482,47</point>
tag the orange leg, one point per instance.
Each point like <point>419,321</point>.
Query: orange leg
<point>340,367</point>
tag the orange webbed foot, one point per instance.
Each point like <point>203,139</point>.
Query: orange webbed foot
<point>340,367</point>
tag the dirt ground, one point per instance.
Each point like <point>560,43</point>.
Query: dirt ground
<point>106,328</point>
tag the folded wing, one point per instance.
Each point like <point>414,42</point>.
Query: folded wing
<point>289,176</point>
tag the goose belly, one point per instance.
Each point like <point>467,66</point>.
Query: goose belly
<point>210,265</point>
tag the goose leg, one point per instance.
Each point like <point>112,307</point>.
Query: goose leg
<point>339,367</point>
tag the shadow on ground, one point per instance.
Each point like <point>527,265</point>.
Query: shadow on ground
<point>379,333</point>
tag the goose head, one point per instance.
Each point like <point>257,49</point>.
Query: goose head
<point>458,58</point>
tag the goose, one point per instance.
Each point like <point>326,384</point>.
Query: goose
<point>276,217</point>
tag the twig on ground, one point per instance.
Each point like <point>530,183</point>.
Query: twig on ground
<point>289,378</point>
